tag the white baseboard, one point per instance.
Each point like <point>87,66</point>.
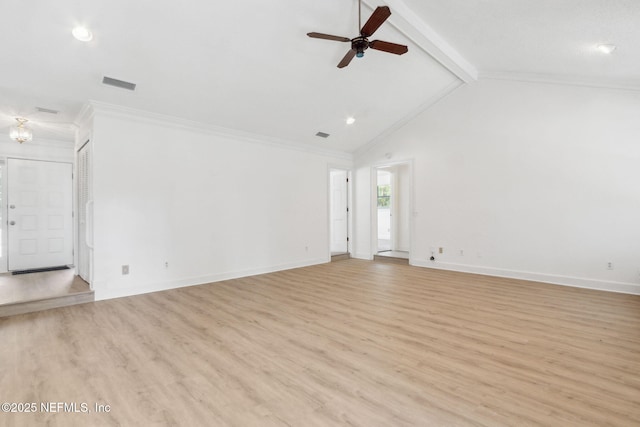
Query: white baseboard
<point>102,291</point>
<point>362,255</point>
<point>578,282</point>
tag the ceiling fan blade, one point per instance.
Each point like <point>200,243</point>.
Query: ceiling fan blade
<point>347,58</point>
<point>398,49</point>
<point>328,37</point>
<point>377,18</point>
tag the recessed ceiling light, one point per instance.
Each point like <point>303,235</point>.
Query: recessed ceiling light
<point>82,33</point>
<point>351,120</point>
<point>606,48</point>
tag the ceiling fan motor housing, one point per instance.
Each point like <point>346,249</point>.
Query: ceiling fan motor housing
<point>360,44</point>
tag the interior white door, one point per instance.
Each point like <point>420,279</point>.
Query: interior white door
<point>339,212</point>
<point>40,214</point>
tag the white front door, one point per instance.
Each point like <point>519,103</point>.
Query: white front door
<point>338,211</point>
<point>40,206</point>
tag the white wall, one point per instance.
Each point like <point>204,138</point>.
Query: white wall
<point>211,206</point>
<point>528,180</point>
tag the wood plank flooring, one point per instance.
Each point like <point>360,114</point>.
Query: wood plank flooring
<point>346,343</point>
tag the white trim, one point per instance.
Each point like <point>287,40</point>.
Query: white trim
<point>362,255</point>
<point>88,213</point>
<point>102,291</point>
<point>5,212</point>
<point>554,279</point>
<point>559,79</point>
<point>85,115</point>
<point>176,122</point>
<point>422,35</point>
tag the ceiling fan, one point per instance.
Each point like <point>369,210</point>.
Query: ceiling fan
<point>361,43</point>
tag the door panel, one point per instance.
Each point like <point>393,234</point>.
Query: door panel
<point>40,205</point>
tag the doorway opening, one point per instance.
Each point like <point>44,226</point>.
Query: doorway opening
<point>339,213</point>
<point>392,217</point>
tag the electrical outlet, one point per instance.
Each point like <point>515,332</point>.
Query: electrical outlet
<point>610,265</point>
<point>440,250</point>
<point>461,252</point>
<point>166,264</point>
<point>125,270</point>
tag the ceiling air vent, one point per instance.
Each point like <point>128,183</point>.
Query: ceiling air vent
<point>118,83</point>
<point>322,135</point>
<point>46,110</point>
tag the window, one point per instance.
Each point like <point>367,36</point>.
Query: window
<point>384,196</point>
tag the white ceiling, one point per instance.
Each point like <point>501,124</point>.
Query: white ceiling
<point>544,39</point>
<point>249,66</point>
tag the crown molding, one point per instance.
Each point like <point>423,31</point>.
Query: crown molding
<point>98,107</point>
<point>562,79</point>
<point>85,115</point>
<point>428,40</point>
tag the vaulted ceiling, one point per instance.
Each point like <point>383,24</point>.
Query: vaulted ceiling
<point>249,66</point>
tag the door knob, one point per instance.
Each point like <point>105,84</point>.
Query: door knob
<point>12,223</point>
<point>12,206</point>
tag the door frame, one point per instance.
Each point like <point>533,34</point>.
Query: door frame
<point>373,219</point>
<point>349,209</point>
<point>88,212</point>
<point>4,259</point>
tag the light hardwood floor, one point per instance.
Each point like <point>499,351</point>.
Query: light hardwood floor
<point>345,343</point>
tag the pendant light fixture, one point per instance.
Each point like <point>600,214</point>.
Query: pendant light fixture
<point>20,132</point>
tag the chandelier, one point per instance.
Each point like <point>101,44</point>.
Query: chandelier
<point>20,132</point>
